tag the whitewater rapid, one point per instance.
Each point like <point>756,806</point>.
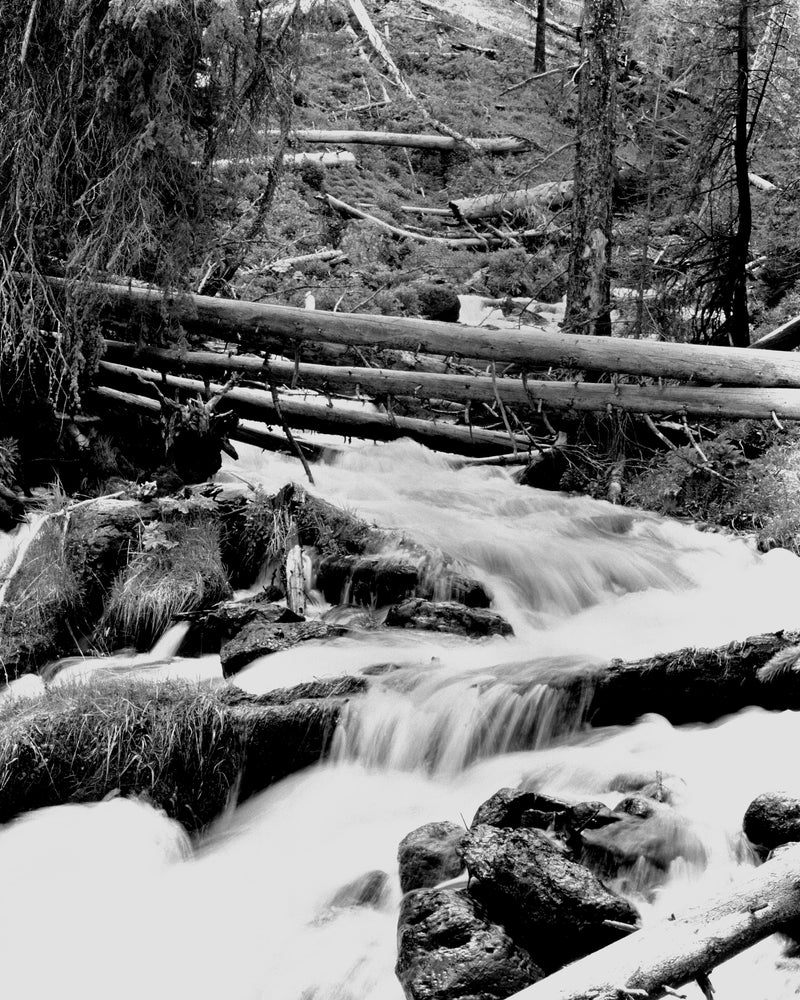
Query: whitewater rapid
<point>114,899</point>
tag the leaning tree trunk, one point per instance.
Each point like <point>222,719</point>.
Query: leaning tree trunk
<point>588,286</point>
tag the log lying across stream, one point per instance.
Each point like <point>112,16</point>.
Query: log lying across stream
<point>688,685</point>
<point>693,401</point>
<point>684,946</point>
<point>255,404</point>
<point>528,347</point>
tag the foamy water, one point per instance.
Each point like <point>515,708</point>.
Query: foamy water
<point>100,902</point>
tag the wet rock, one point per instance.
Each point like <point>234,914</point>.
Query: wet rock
<point>369,889</point>
<point>651,784</point>
<point>507,807</point>
<point>449,949</point>
<point>330,687</point>
<point>447,616</point>
<point>283,739</point>
<point>370,580</point>
<point>644,831</point>
<point>210,629</point>
<point>429,855</point>
<point>772,819</point>
<point>231,616</point>
<point>553,907</point>
<point>259,638</point>
<point>516,807</point>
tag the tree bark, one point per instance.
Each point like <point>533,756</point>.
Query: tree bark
<point>783,338</point>
<point>540,52</point>
<point>260,324</point>
<point>589,282</point>
<point>687,685</point>
<point>758,404</point>
<point>684,946</point>
<point>255,404</point>
<point>739,317</point>
<point>550,196</point>
<point>410,140</point>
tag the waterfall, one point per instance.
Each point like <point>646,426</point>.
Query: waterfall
<point>96,906</point>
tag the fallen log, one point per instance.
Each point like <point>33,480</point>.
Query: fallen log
<point>260,323</point>
<point>284,264</point>
<point>683,947</point>
<point>551,196</point>
<point>255,404</point>
<point>688,685</point>
<point>290,160</point>
<point>408,140</point>
<point>730,403</point>
<point>783,338</point>
<point>261,438</point>
<point>456,242</point>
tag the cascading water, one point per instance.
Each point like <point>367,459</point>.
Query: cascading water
<point>111,900</point>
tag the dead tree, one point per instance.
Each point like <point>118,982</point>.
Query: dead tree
<point>588,285</point>
<point>195,434</point>
<point>540,52</point>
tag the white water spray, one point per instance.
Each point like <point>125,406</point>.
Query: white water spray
<point>446,724</point>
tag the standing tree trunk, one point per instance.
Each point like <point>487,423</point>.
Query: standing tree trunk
<point>739,333</point>
<point>539,54</point>
<point>588,286</point>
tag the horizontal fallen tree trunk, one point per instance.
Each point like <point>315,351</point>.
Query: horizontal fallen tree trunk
<point>259,323</point>
<point>732,403</point>
<point>684,946</point>
<point>290,160</point>
<point>255,404</point>
<point>455,242</point>
<point>260,437</point>
<point>688,685</point>
<point>408,140</point>
<point>324,256</point>
<point>543,197</point>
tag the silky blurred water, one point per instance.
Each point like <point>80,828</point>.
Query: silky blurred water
<point>112,899</point>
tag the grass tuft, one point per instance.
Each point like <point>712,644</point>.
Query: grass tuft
<point>173,743</point>
<point>174,568</point>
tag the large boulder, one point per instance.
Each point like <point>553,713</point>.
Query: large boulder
<point>429,855</point>
<point>449,949</point>
<point>554,907</point>
<point>447,616</point>
<point>772,819</point>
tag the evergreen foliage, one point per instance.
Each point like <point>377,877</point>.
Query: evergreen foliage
<point>112,112</point>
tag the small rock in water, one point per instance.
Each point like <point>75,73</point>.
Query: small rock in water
<point>260,638</point>
<point>553,907</point>
<point>772,819</point>
<point>369,889</point>
<point>507,808</point>
<point>644,831</point>
<point>429,855</point>
<point>449,949</point>
<point>447,616</point>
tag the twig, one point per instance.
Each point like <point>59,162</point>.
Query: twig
<point>26,38</point>
<point>502,409</point>
<point>288,432</point>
